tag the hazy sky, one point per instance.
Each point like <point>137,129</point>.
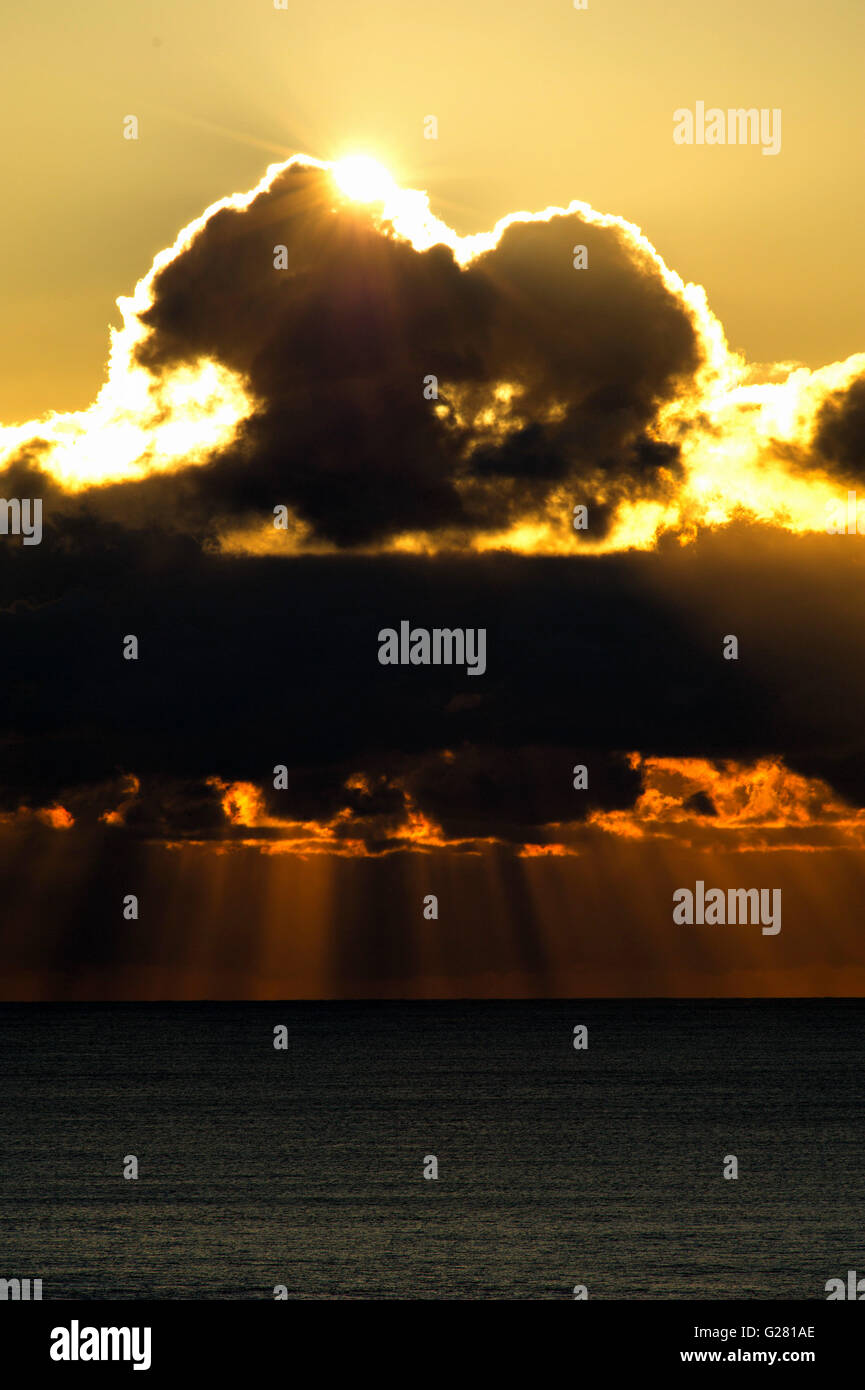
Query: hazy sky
<point>537,104</point>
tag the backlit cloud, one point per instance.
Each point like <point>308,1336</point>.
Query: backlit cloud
<point>235,386</point>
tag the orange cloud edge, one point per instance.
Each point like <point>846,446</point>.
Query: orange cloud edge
<point>688,803</point>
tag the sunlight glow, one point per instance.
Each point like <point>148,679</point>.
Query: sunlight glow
<point>363,179</point>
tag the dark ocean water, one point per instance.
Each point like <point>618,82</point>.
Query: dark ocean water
<point>556,1167</point>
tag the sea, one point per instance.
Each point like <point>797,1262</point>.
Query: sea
<point>306,1171</point>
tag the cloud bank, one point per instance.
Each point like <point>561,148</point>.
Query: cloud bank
<point>279,355</point>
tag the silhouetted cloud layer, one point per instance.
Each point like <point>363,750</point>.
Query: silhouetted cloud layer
<point>609,386</point>
<point>335,350</point>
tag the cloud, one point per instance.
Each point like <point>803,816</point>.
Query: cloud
<point>839,436</point>
<point>734,806</point>
<point>550,379</point>
<point>246,663</point>
<point>235,387</point>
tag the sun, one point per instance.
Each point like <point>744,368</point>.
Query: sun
<point>363,179</point>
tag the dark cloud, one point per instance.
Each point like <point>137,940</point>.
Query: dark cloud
<point>840,433</point>
<point>247,663</point>
<point>336,347</point>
